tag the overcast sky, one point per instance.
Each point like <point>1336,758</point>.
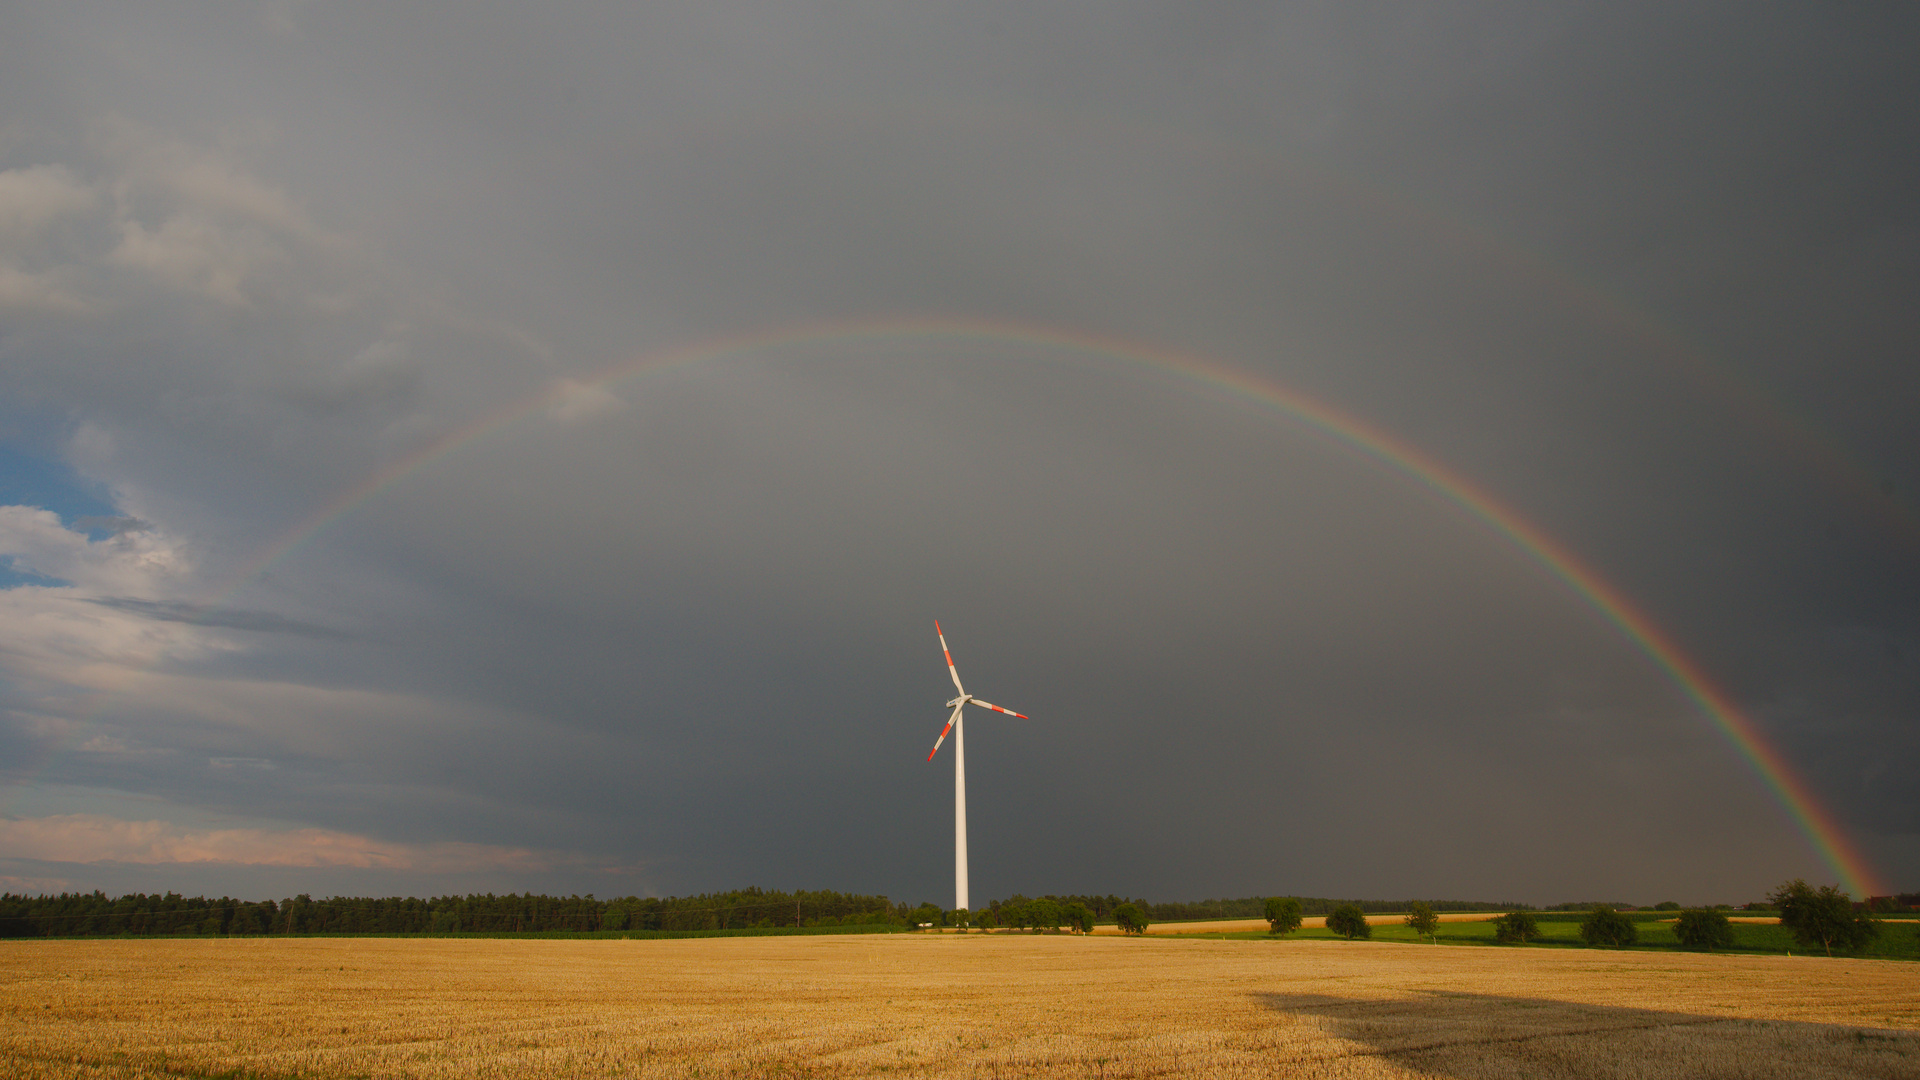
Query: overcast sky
<point>592,620</point>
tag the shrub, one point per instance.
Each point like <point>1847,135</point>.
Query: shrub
<point>1667,905</point>
<point>1822,916</point>
<point>1605,926</point>
<point>1515,926</point>
<point>1349,920</point>
<point>1702,928</point>
<point>1131,919</point>
<point>1421,918</point>
<point>1283,914</point>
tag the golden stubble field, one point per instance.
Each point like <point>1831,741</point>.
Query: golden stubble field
<point>938,1006</point>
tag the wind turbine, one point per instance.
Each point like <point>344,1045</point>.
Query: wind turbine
<point>959,770</point>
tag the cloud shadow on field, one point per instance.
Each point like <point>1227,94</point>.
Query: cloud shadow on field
<point>1442,1033</point>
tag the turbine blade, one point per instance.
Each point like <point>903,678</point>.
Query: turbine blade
<point>944,730</point>
<point>943,648</point>
<point>997,708</point>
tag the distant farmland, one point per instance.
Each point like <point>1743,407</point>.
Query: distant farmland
<point>1899,939</point>
<point>937,1005</point>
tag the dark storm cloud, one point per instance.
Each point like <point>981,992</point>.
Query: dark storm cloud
<point>1644,275</point>
<point>113,524</point>
<point>264,622</point>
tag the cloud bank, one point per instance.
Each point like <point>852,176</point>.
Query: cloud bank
<point>94,838</point>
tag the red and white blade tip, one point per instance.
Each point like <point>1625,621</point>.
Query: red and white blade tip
<point>998,709</point>
<point>938,741</point>
<point>948,653</point>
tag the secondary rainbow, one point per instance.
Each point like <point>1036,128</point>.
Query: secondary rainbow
<point>1824,834</point>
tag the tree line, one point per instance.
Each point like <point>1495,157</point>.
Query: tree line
<point>97,915</point>
<point>1822,918</point>
<point>1825,918</point>
<point>1008,912</point>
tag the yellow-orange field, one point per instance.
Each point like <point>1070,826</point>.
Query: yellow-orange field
<point>939,1005</point>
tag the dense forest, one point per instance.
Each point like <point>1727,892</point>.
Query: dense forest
<point>98,915</point>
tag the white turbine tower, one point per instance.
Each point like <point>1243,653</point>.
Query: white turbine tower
<point>959,770</point>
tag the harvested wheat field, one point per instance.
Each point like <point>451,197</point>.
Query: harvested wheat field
<point>938,1006</point>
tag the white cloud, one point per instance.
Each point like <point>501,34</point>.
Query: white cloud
<point>573,402</point>
<point>49,290</point>
<point>277,17</point>
<point>106,744</point>
<point>205,180</point>
<point>34,274</point>
<point>34,197</point>
<point>34,885</point>
<point>138,562</point>
<point>194,220</point>
<point>55,648</point>
<point>97,838</point>
<point>91,449</point>
<point>54,641</point>
<point>196,254</point>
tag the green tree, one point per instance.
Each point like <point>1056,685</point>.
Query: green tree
<point>1703,928</point>
<point>1131,919</point>
<point>1605,926</point>
<point>1283,914</point>
<point>986,920</point>
<point>1045,915</point>
<point>1013,912</point>
<point>1515,926</point>
<point>1349,920</point>
<point>925,913</point>
<point>1822,916</point>
<point>1421,918</point>
<point>1667,905</point>
<point>1079,917</point>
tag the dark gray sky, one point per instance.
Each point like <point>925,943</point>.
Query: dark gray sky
<point>1643,275</point>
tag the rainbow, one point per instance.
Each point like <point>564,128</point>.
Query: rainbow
<point>1810,444</point>
<point>1814,822</point>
